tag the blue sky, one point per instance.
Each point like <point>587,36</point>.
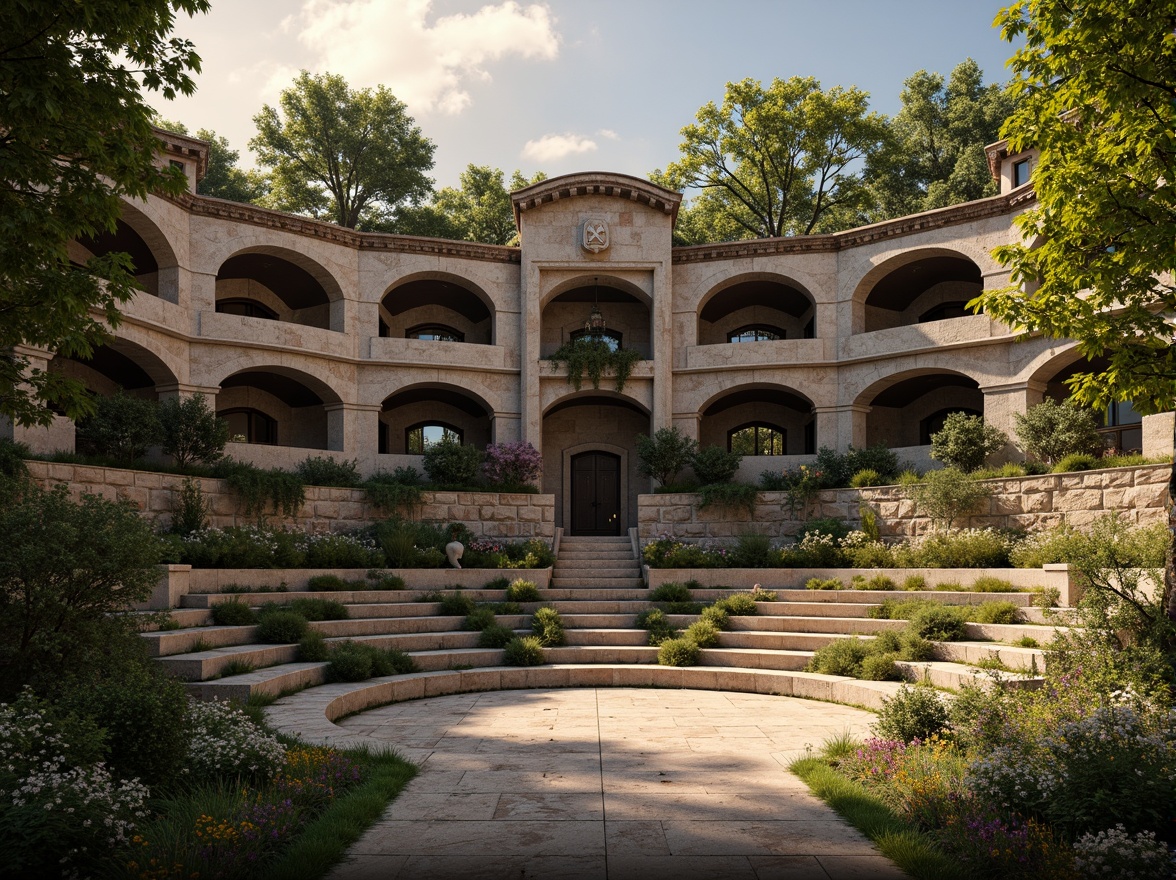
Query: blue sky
<point>564,86</point>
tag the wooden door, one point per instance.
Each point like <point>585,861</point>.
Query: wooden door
<point>596,494</point>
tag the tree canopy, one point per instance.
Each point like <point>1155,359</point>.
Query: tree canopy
<point>480,210</point>
<point>353,156</point>
<point>223,177</point>
<point>71,77</point>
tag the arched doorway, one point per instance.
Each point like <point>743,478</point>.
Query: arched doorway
<point>596,494</point>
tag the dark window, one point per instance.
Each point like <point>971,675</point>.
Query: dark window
<point>810,438</point>
<point>382,440</point>
<point>246,308</point>
<point>420,437</point>
<point>1124,428</point>
<point>756,333</point>
<point>611,338</point>
<point>1021,172</point>
<point>251,424</point>
<point>810,329</point>
<point>434,333</point>
<point>758,438</point>
<point>382,329</point>
<point>933,424</point>
<point>176,163</point>
<point>943,311</point>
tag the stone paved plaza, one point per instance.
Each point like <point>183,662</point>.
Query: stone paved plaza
<point>611,783</point>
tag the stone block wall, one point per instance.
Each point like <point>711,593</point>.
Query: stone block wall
<point>492,514</point>
<point>1139,494</point>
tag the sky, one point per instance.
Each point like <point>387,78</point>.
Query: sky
<point>566,85</point>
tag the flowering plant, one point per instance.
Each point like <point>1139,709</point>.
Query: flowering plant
<point>512,465</point>
<point>225,742</point>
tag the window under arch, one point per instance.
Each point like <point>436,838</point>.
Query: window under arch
<point>611,338</point>
<point>434,333</point>
<point>757,333</point>
<point>951,309</point>
<point>933,424</point>
<point>419,437</point>
<point>758,438</point>
<point>252,424</point>
<point>247,308</point>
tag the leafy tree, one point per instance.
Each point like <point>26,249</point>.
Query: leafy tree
<point>223,179</point>
<point>947,494</point>
<point>965,441</point>
<point>664,455</point>
<point>449,462</point>
<point>353,156</point>
<point>783,160</point>
<point>936,155</point>
<point>1050,431</point>
<point>122,427</point>
<point>69,77</point>
<point>191,432</point>
<point>1094,91</point>
<point>480,210</point>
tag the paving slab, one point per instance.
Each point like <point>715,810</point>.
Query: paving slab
<point>609,784</point>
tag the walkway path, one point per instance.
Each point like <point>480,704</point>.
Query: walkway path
<point>617,783</point>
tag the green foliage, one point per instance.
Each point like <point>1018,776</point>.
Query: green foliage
<point>319,470</point>
<point>899,609</point>
<point>992,585</point>
<point>68,81</point>
<point>312,648</point>
<point>234,613</point>
<point>547,626</point>
<point>738,604</point>
<point>678,652</point>
<point>753,551</point>
<point>398,538</point>
<point>326,583</point>
<point>836,469</point>
<point>965,441</point>
<point>480,210</point>
<point>591,356</point>
<point>496,636</point>
<point>395,491</point>
<point>319,609</point>
<point>948,494</point>
<point>939,623</point>
<point>717,616</point>
<point>962,548</point>
<point>357,661</point>
<point>703,633</point>
<point>223,179</point>
<point>191,432</point>
<point>386,582</point>
<point>524,651</point>
<point>664,455</point>
<point>498,583</point>
<point>879,667</point>
<point>913,713</point>
<point>996,612</point>
<point>1050,431</point>
<point>840,657</point>
<point>451,463</point>
<point>823,584</point>
<point>12,456</point>
<point>340,550</point>
<point>660,629</point>
<point>671,591</point>
<point>281,627</point>
<point>190,511</point>
<point>714,464</point>
<point>520,590</point>
<point>1076,462</point>
<point>456,604</point>
<point>66,569</point>
<point>825,525</point>
<point>865,478</point>
<point>731,496</point>
<point>914,582</point>
<point>478,619</point>
<point>122,427</point>
<point>259,489</point>
<point>373,161</point>
<point>878,582</point>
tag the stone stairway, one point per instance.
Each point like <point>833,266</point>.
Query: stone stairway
<point>605,563</point>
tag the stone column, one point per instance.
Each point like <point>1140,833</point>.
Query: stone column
<point>352,428</point>
<point>662,338</point>
<point>840,427</point>
<point>182,391</point>
<point>689,424</point>
<point>1003,402</point>
<point>57,436</point>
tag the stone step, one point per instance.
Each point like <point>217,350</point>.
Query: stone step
<point>567,540</point>
<point>566,556</point>
<point>607,637</point>
<point>175,618</point>
<point>272,681</point>
<point>788,624</point>
<point>182,641</point>
<point>955,676</point>
<point>576,654</point>
<point>596,583</point>
<point>375,626</point>
<point>433,661</point>
<point>746,658</point>
<point>977,652</point>
<point>783,641</point>
<point>203,665</point>
<point>581,574</point>
<point>875,597</point>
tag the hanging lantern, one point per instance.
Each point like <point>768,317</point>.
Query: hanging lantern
<point>595,325</point>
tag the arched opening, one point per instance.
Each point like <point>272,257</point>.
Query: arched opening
<point>919,290</point>
<point>274,407</point>
<point>145,265</point>
<point>278,286</point>
<point>623,321</point>
<point>760,420</point>
<point>607,427</point>
<point>906,410</point>
<point>756,310</point>
<point>436,310</point>
<point>119,365</point>
<point>1120,424</point>
<point>413,419</point>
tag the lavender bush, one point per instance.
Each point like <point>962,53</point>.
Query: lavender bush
<point>512,465</point>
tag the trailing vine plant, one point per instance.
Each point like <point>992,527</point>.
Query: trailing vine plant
<point>258,488</point>
<point>592,356</point>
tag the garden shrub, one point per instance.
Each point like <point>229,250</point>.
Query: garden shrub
<point>357,661</point>
<point>122,428</point>
<point>989,584</point>
<point>512,466</point>
<point>948,494</point>
<point>224,744</point>
<point>703,633</point>
<point>312,648</point>
<point>678,652</point>
<point>879,667</point>
<point>524,651</point>
<point>753,551</point>
<point>398,538</point>
<point>840,657</point>
<point>319,609</point>
<point>733,495</point>
<point>280,627</point>
<point>913,713</point>
<point>456,604</point>
<point>824,525</point>
<point>253,546</point>
<point>496,636</point>
<point>520,590</point>
<point>815,550</point>
<point>281,490</point>
<point>339,550</point>
<point>321,470</point>
<point>505,607</point>
<point>190,510</point>
<point>837,469</point>
<point>996,612</point>
<point>499,583</point>
<point>451,463</point>
<point>939,623</point>
<point>664,455</point>
<point>1117,853</point>
<point>671,553</point>
<point>326,583</point>
<point>190,431</point>
<point>717,616</point>
<point>860,551</point>
<point>12,456</point>
<point>900,609</point>
<point>655,622</point>
<point>913,582</point>
<point>234,613</point>
<point>671,591</point>
<point>547,626</point>
<point>959,548</point>
<point>965,441</point>
<point>914,648</point>
<point>395,491</point>
<point>865,478</point>
<point>385,582</point>
<point>876,583</point>
<point>478,619</point>
<point>823,584</point>
<point>1076,462</point>
<point>714,464</point>
<point>738,604</point>
<point>1050,431</point>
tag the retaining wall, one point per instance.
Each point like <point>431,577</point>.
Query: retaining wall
<point>1139,493</point>
<point>492,514</point>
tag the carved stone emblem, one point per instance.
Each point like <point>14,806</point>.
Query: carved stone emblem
<point>594,235</point>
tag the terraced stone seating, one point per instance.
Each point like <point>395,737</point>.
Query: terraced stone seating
<point>765,653</point>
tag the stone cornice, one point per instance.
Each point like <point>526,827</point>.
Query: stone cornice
<point>596,183</point>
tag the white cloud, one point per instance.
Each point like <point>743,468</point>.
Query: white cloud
<point>551,147</point>
<point>609,133</point>
<point>426,65</point>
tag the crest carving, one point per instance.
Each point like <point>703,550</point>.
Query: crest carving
<point>594,236</point>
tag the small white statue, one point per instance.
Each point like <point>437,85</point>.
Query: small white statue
<point>453,552</point>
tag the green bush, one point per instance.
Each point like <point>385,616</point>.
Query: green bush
<point>965,441</point>
<point>122,428</point>
<point>326,583</point>
<point>823,584</point>
<point>393,492</point>
<point>505,607</point>
<point>703,633</point>
<point>499,583</point>
<point>320,470</point>
<point>913,713</point>
<point>12,456</point>
<point>880,667</point>
<point>733,495</point>
<point>319,609</point>
<point>1050,431</point>
<point>660,629</point>
<point>841,657</point>
<point>996,612</point>
<point>356,661</point>
<point>456,604</point>
<point>478,619</point>
<point>312,648</point>
<point>525,651</point>
<point>191,431</point>
<point>234,613</point>
<point>714,464</point>
<point>671,591</point>
<point>279,627</point>
<point>664,455</point>
<point>990,584</point>
<point>386,582</point>
<point>1058,544</point>
<point>738,604</point>
<point>961,548</point>
<point>1076,462</point>
<point>838,468</point>
<point>939,623</point>
<point>678,652</point>
<point>914,648</point>
<point>877,583</point>
<point>716,616</point>
<point>914,582</point>
<point>824,525</point>
<point>282,491</point>
<point>865,478</point>
<point>900,609</point>
<point>753,551</point>
<point>547,626</point>
<point>522,591</point>
<point>948,494</point>
<point>451,463</point>
<point>339,550</point>
<point>399,538</point>
<point>190,511</point>
<point>496,636</point>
